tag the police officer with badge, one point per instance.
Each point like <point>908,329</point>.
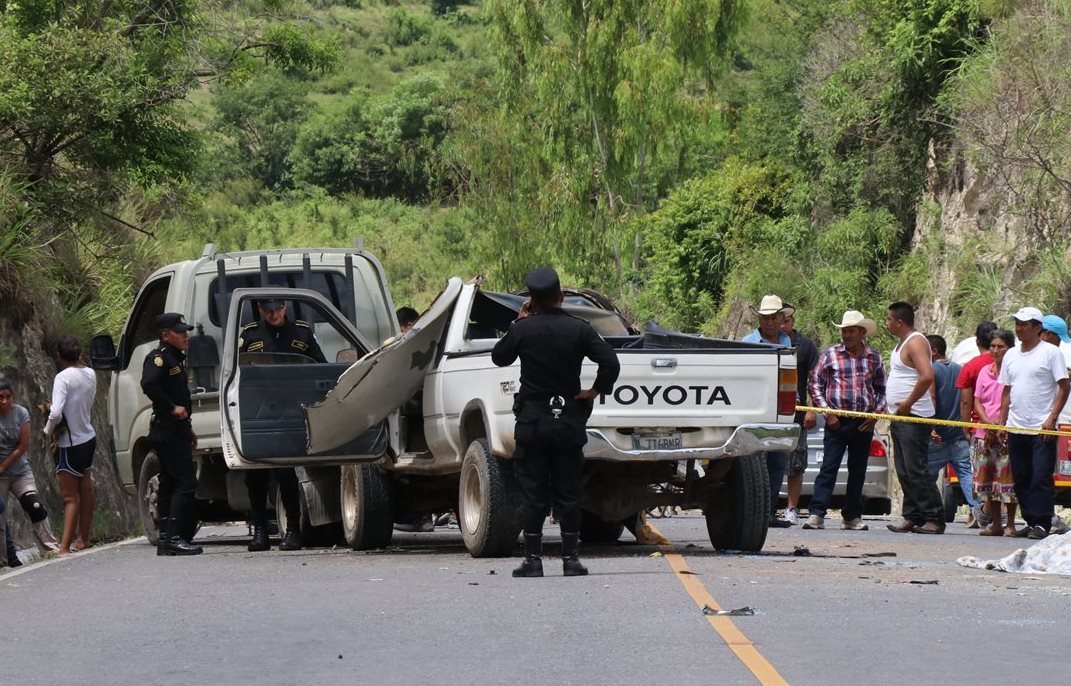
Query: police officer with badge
<point>163,380</point>
<point>276,333</point>
<point>552,413</point>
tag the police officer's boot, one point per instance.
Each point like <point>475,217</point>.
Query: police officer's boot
<point>291,539</point>
<point>532,566</point>
<point>570,556</point>
<point>260,540</point>
<point>171,543</point>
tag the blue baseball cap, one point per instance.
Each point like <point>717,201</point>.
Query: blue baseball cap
<point>1056,325</point>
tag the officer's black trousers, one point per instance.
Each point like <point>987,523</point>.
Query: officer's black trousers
<point>546,470</point>
<point>258,480</point>
<point>178,482</point>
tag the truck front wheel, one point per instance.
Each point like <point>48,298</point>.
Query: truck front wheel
<point>148,494</point>
<point>487,503</point>
<point>595,530</point>
<point>367,507</point>
<point>738,510</point>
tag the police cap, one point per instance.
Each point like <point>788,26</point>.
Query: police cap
<point>271,304</point>
<point>172,321</point>
<point>543,283</point>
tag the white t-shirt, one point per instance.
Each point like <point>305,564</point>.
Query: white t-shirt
<point>1033,378</point>
<point>72,397</point>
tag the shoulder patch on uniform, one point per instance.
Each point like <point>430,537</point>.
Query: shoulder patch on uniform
<point>300,345</point>
<point>158,361</point>
<point>250,325</point>
<point>255,346</point>
<point>174,370</point>
<point>302,323</point>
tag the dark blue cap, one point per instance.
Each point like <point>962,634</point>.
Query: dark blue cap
<point>271,304</point>
<point>171,320</point>
<point>543,282</point>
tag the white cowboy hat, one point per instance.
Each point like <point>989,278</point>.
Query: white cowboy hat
<point>771,304</point>
<point>856,318</point>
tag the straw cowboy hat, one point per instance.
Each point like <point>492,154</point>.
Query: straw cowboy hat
<point>771,304</point>
<point>856,318</point>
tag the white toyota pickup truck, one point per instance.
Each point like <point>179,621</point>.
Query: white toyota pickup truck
<point>685,424</point>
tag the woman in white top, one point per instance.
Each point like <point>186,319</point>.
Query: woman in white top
<point>73,393</point>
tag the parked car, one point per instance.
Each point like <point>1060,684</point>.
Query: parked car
<point>876,489</point>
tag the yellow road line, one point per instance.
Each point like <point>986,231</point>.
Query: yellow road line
<point>929,420</point>
<point>740,644</point>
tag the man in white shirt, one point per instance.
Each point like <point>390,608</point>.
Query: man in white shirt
<point>1035,383</point>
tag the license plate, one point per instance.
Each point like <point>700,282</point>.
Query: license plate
<point>1065,468</point>
<point>666,441</point>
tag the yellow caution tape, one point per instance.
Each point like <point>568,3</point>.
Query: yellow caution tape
<point>930,420</point>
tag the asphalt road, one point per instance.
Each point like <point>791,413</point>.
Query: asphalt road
<point>425,612</point>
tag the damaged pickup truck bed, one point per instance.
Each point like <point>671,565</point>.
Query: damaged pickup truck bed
<point>685,425</point>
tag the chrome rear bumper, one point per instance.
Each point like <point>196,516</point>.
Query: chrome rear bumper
<point>746,439</point>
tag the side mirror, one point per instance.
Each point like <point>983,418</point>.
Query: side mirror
<point>102,355</point>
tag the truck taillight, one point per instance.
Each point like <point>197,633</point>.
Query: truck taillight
<point>786,392</point>
<point>877,448</point>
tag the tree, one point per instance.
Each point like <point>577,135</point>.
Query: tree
<point>601,103</point>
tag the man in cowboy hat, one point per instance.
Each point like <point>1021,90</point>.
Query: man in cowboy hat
<point>772,311</point>
<point>849,375</point>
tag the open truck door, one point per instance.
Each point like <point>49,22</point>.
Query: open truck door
<point>382,381</point>
<point>265,393</point>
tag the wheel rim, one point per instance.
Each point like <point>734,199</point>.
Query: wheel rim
<point>152,497</point>
<point>349,499</point>
<point>472,497</point>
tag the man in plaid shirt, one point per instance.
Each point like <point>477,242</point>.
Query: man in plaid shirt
<point>849,375</point>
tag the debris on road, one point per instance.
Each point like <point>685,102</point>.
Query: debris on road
<point>656,553</point>
<point>879,555</point>
<point>801,551</point>
<point>924,582</point>
<point>738,612</point>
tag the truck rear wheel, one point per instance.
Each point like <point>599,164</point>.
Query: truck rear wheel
<point>148,494</point>
<point>738,511</point>
<point>487,503</point>
<point>950,501</point>
<point>595,530</point>
<point>367,506</point>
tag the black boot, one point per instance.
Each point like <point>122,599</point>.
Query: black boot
<point>532,566</point>
<point>260,540</point>
<point>291,541</point>
<point>173,544</point>
<point>12,552</point>
<point>570,556</point>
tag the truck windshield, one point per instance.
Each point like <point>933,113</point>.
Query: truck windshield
<point>329,284</point>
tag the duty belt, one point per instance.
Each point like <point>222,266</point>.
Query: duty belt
<point>556,403</point>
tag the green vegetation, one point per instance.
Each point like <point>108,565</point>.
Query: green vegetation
<point>684,157</point>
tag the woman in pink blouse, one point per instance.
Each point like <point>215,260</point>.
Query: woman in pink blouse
<point>992,466</point>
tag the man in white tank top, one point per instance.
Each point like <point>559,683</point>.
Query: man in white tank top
<point>910,393</point>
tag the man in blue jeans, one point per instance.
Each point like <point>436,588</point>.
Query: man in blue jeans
<point>949,444</point>
<point>771,312</point>
<point>849,375</point>
<point>1034,377</point>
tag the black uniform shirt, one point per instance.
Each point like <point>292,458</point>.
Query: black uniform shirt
<point>163,380</point>
<point>291,337</point>
<point>552,346</point>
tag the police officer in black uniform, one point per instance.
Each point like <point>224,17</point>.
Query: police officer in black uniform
<point>276,333</point>
<point>552,414</point>
<point>163,380</point>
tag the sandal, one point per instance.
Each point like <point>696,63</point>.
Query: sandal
<point>991,531</point>
<point>1010,532</point>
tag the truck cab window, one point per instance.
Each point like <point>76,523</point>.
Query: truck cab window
<point>140,329</point>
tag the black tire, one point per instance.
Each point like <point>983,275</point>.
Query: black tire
<point>595,530</point>
<point>325,535</point>
<point>950,501</point>
<point>487,503</point>
<point>367,506</point>
<point>738,510</point>
<point>877,506</point>
<point>148,488</point>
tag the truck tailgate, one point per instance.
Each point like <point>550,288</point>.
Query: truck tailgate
<point>693,388</point>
